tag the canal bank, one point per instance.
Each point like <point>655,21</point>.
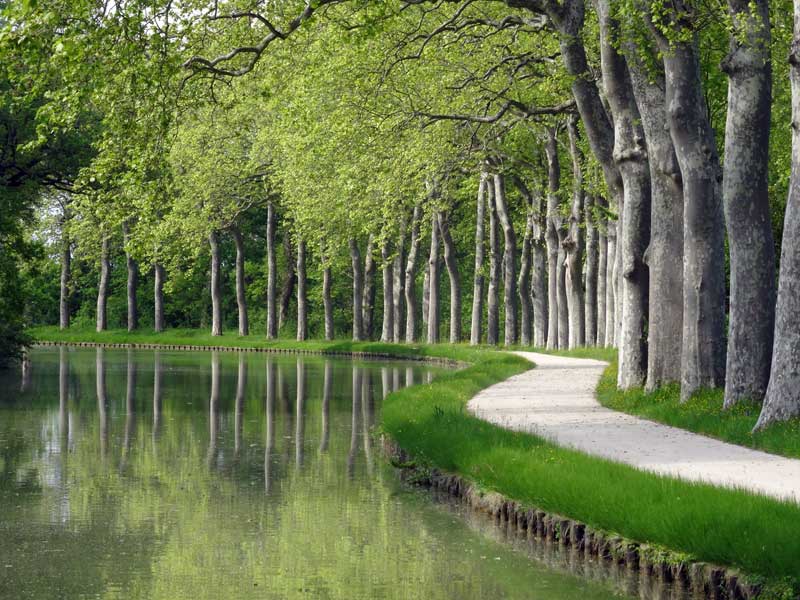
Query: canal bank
<point>701,523</point>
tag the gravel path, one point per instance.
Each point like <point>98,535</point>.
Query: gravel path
<point>556,400</point>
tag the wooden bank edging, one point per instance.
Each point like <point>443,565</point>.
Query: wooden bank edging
<point>269,350</point>
<point>697,579</point>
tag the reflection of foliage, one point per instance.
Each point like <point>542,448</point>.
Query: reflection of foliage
<point>167,526</point>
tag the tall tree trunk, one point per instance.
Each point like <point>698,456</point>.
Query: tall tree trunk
<point>411,276</point>
<point>289,280</point>
<point>592,259</point>
<point>630,154</point>
<point>611,296</point>
<point>746,196</point>
<point>509,260</point>
<point>398,300</point>
<point>524,283</point>
<point>451,262</point>
<point>551,238</point>
<point>703,342</point>
<point>433,284</point>
<point>664,255</point>
<point>426,286</point>
<point>368,299</point>
<point>302,297</point>
<point>102,286</point>
<point>66,261</point>
<point>602,265</point>
<point>216,294</point>
<point>562,297</point>
<point>387,330</point>
<point>493,298</point>
<point>478,279</point>
<point>133,281</point>
<point>241,294</point>
<point>573,244</point>
<point>539,284</point>
<point>158,297</point>
<point>327,302</point>
<point>358,291</point>
<point>782,400</point>
<point>272,270</point>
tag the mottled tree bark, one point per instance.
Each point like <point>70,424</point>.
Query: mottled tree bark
<point>302,296</point>
<point>102,286</point>
<point>358,290</point>
<point>241,293</point>
<point>551,237</point>
<point>524,284</point>
<point>398,300</point>
<point>562,298</point>
<point>493,294</point>
<point>387,329</point>
<point>611,261</point>
<point>630,154</point>
<point>592,259</point>
<point>216,294</point>
<point>602,265</point>
<point>703,344</point>
<point>745,193</point>
<point>132,267</point>
<point>289,280</point>
<point>509,260</point>
<point>327,302</point>
<point>66,262</point>
<point>433,284</point>
<point>573,244</point>
<point>368,298</point>
<point>539,281</point>
<point>411,276</point>
<point>272,270</point>
<point>479,279</point>
<point>782,400</point>
<point>664,255</point>
<point>159,276</point>
<point>451,263</point>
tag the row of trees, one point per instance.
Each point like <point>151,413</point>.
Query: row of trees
<point>346,138</point>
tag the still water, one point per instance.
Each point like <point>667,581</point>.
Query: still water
<point>154,474</point>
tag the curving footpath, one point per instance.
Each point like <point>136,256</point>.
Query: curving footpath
<point>556,401</point>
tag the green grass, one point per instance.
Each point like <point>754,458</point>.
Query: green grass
<point>761,536</point>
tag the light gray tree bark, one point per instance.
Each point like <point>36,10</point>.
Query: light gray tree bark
<point>302,296</point>
<point>745,192</point>
<point>602,265</point>
<point>411,276</point>
<point>272,270</point>
<point>782,400</point>
<point>241,292</point>
<point>398,300</point>
<point>630,154</point>
<point>478,278</point>
<point>216,294</point>
<point>387,329</point>
<point>327,301</point>
<point>524,284</point>
<point>368,298</point>
<point>451,263</point>
<point>132,267</point>
<point>509,260</point>
<point>611,296</point>
<point>358,290</point>
<point>433,284</point>
<point>65,282</point>
<point>289,280</point>
<point>493,292</point>
<point>562,298</point>
<point>551,237</point>
<point>539,280</point>
<point>664,255</point>
<point>159,276</point>
<point>574,245</point>
<point>592,260</point>
<point>102,286</point>
<point>703,344</point>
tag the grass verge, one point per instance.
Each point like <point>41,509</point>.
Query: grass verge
<point>761,536</point>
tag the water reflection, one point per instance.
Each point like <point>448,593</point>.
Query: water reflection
<point>143,474</point>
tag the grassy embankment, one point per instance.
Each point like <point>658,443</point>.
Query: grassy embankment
<point>761,536</point>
